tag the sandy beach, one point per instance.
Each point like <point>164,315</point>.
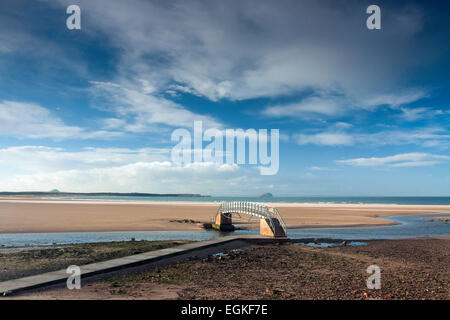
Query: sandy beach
<point>31,215</point>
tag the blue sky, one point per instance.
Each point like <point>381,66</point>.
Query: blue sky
<point>360,112</point>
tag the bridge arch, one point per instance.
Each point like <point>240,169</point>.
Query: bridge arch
<point>271,222</point>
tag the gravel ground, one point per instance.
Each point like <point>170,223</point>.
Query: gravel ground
<point>21,263</point>
<point>410,269</point>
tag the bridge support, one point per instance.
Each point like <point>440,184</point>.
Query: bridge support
<point>223,223</point>
<point>265,228</point>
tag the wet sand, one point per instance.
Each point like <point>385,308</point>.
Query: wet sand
<point>29,216</point>
<point>446,219</point>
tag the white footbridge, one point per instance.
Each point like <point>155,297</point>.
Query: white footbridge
<point>271,222</point>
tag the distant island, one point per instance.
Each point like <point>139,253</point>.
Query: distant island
<point>265,195</point>
<point>57,193</point>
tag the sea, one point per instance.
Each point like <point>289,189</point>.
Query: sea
<point>275,199</point>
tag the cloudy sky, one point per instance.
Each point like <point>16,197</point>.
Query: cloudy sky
<point>360,112</point>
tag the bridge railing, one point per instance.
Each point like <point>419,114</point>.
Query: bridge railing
<point>255,209</point>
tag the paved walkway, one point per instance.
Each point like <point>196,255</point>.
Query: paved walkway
<point>49,278</point>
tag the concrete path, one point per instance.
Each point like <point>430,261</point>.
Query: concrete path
<point>50,278</point>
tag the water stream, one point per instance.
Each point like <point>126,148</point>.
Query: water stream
<point>410,226</point>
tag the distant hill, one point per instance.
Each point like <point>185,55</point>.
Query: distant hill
<point>265,195</point>
<point>99,194</point>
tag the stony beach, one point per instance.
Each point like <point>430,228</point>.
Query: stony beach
<point>18,263</point>
<point>410,269</point>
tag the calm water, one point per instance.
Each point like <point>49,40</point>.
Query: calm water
<point>46,239</point>
<point>381,200</point>
<point>411,226</point>
<point>333,244</point>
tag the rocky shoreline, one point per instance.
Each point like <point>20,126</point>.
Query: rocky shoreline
<point>411,269</point>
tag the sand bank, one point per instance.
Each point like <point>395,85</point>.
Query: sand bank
<point>30,215</point>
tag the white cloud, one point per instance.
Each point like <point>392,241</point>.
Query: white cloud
<point>399,160</point>
<point>112,123</point>
<point>120,170</point>
<point>157,177</point>
<point>315,168</point>
<point>395,99</point>
<point>336,135</point>
<point>329,105</point>
<point>139,112</point>
<point>48,159</point>
<point>325,139</point>
<point>305,108</point>
<point>413,114</point>
<point>249,49</point>
<point>30,120</point>
<point>115,169</point>
<point>427,137</point>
